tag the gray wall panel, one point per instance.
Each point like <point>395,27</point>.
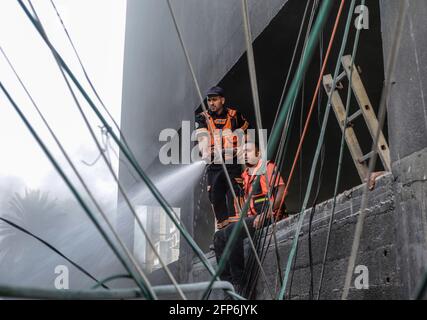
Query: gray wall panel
<point>407,108</point>
<point>158,91</point>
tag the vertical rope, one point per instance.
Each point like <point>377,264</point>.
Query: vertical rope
<point>316,156</point>
<point>338,175</point>
<point>381,115</point>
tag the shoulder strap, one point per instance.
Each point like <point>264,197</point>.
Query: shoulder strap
<point>232,112</point>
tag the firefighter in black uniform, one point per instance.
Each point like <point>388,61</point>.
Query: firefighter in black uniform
<point>220,132</point>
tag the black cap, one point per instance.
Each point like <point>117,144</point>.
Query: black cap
<point>215,91</point>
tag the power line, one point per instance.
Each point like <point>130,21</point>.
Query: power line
<point>72,188</point>
<point>338,175</point>
<point>279,160</point>
<point>107,162</point>
<point>87,75</point>
<point>140,282</point>
<point>128,154</point>
<point>63,151</point>
<point>243,213</point>
<point>391,65</point>
<point>316,156</point>
<point>99,283</point>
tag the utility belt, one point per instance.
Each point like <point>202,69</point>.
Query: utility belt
<point>261,204</point>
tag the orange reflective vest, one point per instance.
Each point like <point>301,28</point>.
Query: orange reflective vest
<point>222,137</point>
<point>259,200</point>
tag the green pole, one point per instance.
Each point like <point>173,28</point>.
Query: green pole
<point>304,64</point>
<point>277,130</point>
<point>156,193</point>
<point>316,155</point>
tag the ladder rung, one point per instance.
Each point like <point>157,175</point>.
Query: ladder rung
<point>354,115</point>
<point>366,157</point>
<point>341,76</point>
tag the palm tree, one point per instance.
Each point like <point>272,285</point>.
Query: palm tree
<point>36,212</point>
<point>63,224</point>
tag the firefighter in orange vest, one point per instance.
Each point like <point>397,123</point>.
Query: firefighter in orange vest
<point>259,199</point>
<point>259,214</point>
<point>220,132</point>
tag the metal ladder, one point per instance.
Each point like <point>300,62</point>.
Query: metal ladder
<point>365,109</point>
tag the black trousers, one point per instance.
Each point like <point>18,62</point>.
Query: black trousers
<point>235,264</point>
<point>220,195</point>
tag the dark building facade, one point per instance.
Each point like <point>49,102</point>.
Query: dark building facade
<point>157,85</point>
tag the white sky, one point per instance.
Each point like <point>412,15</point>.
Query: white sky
<point>97,28</point>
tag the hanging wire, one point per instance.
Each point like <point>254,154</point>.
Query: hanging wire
<point>111,278</point>
<point>316,156</point>
<point>312,15</point>
<point>129,255</point>
<point>279,159</point>
<point>263,253</point>
<point>338,175</point>
<point>280,154</point>
<point>291,66</point>
<point>293,92</point>
<point>122,136</point>
<point>116,155</point>
<point>127,153</point>
<point>87,76</point>
<point>252,71</point>
<point>243,214</point>
<point>77,195</point>
<point>312,213</point>
<point>141,285</point>
<point>319,184</point>
<point>311,109</point>
<point>313,208</point>
<point>47,244</point>
<point>103,149</point>
<point>317,94</point>
<point>259,236</point>
<point>113,174</point>
<point>325,114</point>
<point>291,281</point>
<point>256,102</point>
<point>391,65</point>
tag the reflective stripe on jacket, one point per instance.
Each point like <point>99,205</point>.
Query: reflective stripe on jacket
<point>259,199</point>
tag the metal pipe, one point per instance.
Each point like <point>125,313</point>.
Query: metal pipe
<point>134,293</point>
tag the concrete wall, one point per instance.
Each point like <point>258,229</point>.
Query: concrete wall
<point>407,112</point>
<point>378,249</point>
<point>407,108</point>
